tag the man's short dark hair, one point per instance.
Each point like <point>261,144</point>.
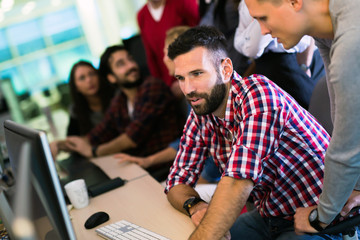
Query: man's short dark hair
<point>104,66</point>
<point>201,36</point>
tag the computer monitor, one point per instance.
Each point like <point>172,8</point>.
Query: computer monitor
<point>49,213</point>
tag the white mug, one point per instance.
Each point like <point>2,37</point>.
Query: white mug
<point>77,193</point>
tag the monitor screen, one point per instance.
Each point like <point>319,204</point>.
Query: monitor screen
<point>45,204</point>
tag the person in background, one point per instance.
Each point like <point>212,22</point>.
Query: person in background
<point>91,96</point>
<point>264,143</point>
<point>223,15</point>
<point>154,19</point>
<point>142,119</point>
<point>296,70</point>
<point>334,25</point>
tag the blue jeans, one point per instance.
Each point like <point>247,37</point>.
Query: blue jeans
<point>252,226</point>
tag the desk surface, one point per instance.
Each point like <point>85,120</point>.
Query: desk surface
<point>113,168</point>
<point>141,201</point>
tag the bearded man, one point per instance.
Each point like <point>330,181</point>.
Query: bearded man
<point>142,118</point>
<point>267,147</point>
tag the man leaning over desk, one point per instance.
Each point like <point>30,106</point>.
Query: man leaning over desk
<point>266,146</point>
<point>142,118</point>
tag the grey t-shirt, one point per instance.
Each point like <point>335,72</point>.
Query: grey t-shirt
<point>341,58</point>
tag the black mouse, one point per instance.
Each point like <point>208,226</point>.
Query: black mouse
<point>96,219</point>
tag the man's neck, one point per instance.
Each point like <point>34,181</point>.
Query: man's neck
<point>156,4</point>
<point>319,15</point>
<point>220,112</point>
<point>130,94</point>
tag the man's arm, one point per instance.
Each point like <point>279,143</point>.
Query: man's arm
<point>177,197</point>
<point>179,194</point>
<point>228,200</point>
<point>342,165</point>
<point>248,39</point>
<point>166,155</point>
<point>118,144</point>
<point>83,146</point>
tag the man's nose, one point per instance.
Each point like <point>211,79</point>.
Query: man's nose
<point>187,86</point>
<point>264,29</point>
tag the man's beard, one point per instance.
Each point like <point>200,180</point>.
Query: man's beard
<point>131,84</point>
<point>212,101</point>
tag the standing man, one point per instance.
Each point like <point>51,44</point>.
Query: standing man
<point>334,25</point>
<point>141,120</point>
<point>267,146</point>
<point>154,19</point>
<point>296,70</point>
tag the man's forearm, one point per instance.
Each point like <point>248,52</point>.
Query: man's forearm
<point>119,144</point>
<point>179,194</point>
<point>225,206</point>
<point>166,155</point>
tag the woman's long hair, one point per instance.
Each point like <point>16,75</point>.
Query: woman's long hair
<point>81,105</point>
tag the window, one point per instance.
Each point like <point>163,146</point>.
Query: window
<point>42,50</point>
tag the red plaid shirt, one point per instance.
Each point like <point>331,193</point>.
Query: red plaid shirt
<point>155,122</point>
<point>266,137</point>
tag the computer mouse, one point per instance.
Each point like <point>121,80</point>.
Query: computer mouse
<point>96,219</point>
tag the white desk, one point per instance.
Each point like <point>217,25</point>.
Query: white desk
<point>113,168</point>
<point>141,201</point>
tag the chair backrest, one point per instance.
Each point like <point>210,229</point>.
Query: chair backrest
<point>319,105</point>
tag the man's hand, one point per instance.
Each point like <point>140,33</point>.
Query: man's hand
<point>353,201</point>
<point>80,145</point>
<point>226,204</point>
<point>198,212</point>
<point>141,161</point>
<point>301,221</point>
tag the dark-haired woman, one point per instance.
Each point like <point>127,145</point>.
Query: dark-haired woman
<point>91,95</point>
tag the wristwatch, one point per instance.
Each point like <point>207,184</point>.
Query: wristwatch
<point>314,220</point>
<point>304,67</point>
<point>190,203</point>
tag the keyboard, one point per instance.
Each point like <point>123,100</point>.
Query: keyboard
<point>126,230</point>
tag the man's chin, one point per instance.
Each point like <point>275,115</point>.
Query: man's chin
<point>287,44</point>
<point>131,83</point>
<point>199,110</point>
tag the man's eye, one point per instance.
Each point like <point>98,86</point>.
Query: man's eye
<point>179,78</point>
<point>197,74</point>
<point>120,64</point>
<point>262,19</point>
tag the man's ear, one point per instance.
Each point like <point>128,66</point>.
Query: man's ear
<point>227,68</point>
<point>296,4</point>
<point>111,78</point>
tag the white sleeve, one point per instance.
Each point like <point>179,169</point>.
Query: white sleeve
<point>248,39</point>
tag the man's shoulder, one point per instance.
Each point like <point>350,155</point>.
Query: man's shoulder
<point>151,80</point>
<point>153,85</point>
<point>142,12</point>
<point>250,82</point>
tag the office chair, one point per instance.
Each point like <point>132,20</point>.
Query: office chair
<point>346,227</point>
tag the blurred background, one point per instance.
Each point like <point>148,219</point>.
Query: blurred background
<point>39,42</point>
